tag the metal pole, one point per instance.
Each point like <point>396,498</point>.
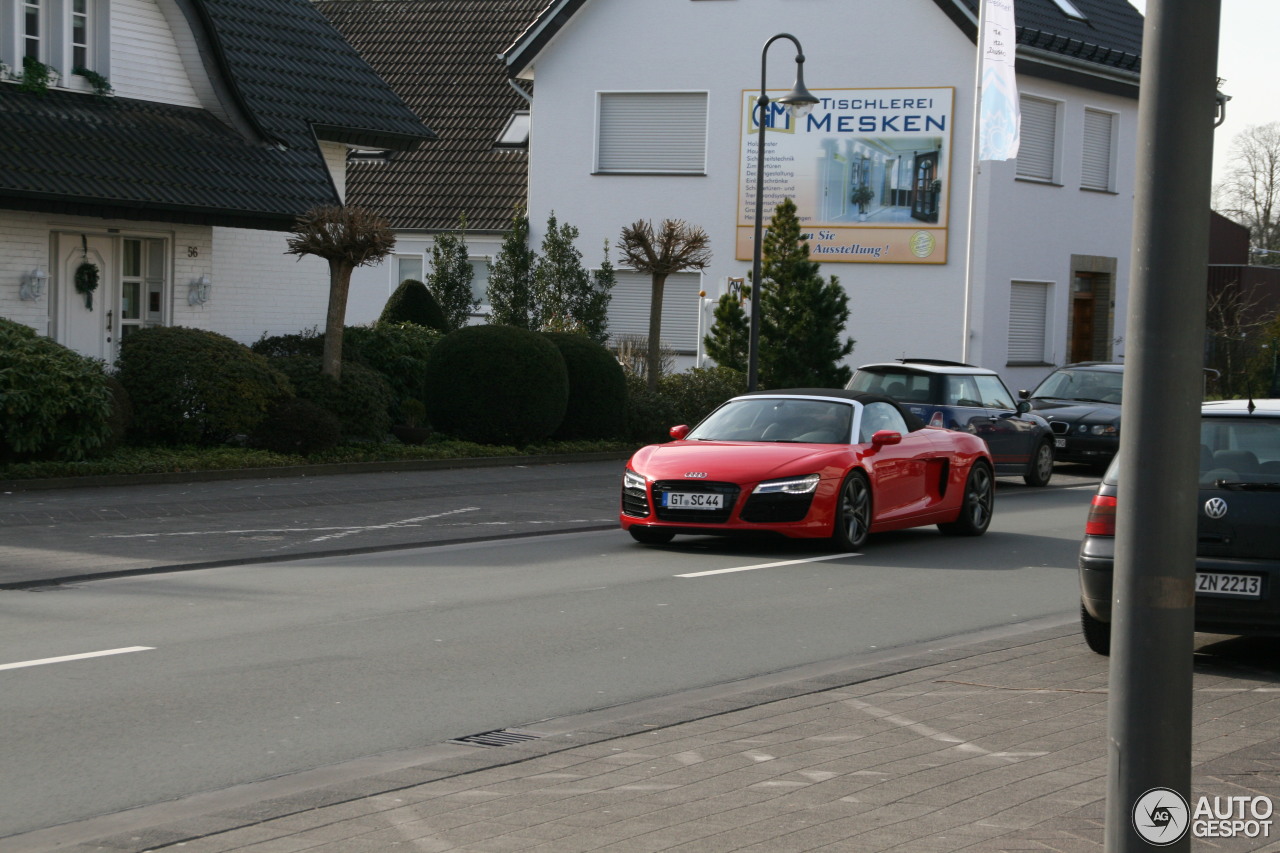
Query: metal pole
<point>1153,598</point>
<point>753,340</point>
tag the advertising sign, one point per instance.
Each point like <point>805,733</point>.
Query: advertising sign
<point>868,170</point>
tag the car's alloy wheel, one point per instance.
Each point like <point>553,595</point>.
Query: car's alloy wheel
<point>975,510</point>
<point>1041,467</point>
<point>1097,634</point>
<point>853,513</point>
<point>650,535</point>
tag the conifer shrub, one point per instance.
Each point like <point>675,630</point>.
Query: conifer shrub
<point>191,386</point>
<point>496,385</point>
<point>361,401</point>
<point>412,302</point>
<point>54,402</point>
<point>298,427</point>
<point>597,389</point>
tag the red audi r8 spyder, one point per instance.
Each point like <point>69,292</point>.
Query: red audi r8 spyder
<point>808,463</point>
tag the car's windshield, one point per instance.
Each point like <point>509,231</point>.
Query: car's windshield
<point>1090,386</point>
<point>1240,451</point>
<point>778,419</point>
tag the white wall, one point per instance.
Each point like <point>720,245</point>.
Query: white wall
<point>145,61</point>
<point>895,309</point>
<point>258,289</point>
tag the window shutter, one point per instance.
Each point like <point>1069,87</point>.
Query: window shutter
<point>653,132</point>
<point>1037,150</point>
<point>1096,166</point>
<point>1028,311</point>
<point>629,308</point>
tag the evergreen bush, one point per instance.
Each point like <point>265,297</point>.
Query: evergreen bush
<point>361,400</point>
<point>650,414</point>
<point>412,302</point>
<point>54,403</point>
<point>298,427</point>
<point>496,385</point>
<point>191,386</point>
<point>399,352</point>
<point>597,389</point>
<point>698,391</point>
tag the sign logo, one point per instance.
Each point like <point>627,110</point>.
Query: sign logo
<point>696,475</point>
<point>1160,816</point>
<point>1215,508</point>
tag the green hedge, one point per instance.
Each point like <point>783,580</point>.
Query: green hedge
<point>361,400</point>
<point>597,389</point>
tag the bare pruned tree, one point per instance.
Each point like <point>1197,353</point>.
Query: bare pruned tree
<point>347,237</point>
<point>675,247</point>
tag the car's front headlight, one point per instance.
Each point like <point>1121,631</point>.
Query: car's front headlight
<point>1110,430</point>
<point>632,480</point>
<point>789,486</point>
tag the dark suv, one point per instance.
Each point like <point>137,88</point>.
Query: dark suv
<point>1237,584</point>
<point>970,399</point>
<point>1081,402</point>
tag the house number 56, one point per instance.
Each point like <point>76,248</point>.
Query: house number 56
<point>193,251</point>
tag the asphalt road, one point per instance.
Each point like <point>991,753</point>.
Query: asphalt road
<point>245,672</point>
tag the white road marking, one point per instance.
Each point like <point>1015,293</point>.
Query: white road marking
<point>84,656</point>
<point>334,532</point>
<point>765,566</point>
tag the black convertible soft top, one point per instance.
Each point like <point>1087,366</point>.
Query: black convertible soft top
<point>913,421</point>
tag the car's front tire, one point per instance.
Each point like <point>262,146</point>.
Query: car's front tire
<point>853,513</point>
<point>975,508</point>
<point>1040,469</point>
<point>1097,634</point>
<point>650,535</point>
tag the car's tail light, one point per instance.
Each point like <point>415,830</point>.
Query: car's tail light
<point>1102,517</point>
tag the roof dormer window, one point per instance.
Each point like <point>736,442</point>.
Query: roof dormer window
<point>1069,9</point>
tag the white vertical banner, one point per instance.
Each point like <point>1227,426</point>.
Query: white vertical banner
<point>998,117</point>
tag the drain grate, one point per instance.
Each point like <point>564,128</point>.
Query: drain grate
<point>498,737</point>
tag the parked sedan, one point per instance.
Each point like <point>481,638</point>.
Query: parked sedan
<point>1081,402</point>
<point>970,399</point>
<point>1238,539</point>
<point>808,463</point>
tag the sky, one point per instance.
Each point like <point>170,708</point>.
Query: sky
<point>1249,62</point>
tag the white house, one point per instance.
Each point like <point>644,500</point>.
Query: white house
<point>645,111</point>
<point>214,124</point>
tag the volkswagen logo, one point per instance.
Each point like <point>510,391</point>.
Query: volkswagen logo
<point>696,475</point>
<point>1215,507</point>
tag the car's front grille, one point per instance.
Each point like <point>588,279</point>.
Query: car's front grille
<point>763,509</point>
<point>705,516</point>
<point>1060,427</point>
<point>635,502</point>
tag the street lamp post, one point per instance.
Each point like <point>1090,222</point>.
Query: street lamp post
<point>800,100</point>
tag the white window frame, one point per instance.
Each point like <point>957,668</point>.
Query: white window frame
<point>1040,148</point>
<point>56,39</point>
<point>1098,150</point>
<point>631,139</point>
<point>1030,307</point>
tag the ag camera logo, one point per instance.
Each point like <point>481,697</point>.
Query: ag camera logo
<point>1160,816</point>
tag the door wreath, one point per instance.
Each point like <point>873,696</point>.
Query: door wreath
<point>86,275</point>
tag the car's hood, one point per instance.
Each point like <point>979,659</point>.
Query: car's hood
<point>734,461</point>
<point>1052,409</point>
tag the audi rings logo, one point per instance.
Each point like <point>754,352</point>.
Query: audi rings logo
<point>1160,816</point>
<point>1215,507</point>
<point>696,475</point>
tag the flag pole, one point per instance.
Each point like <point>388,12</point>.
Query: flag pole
<point>974,172</point>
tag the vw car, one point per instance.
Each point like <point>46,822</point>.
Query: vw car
<point>1237,568</point>
<point>1081,402</point>
<point>808,464</point>
<point>970,399</point>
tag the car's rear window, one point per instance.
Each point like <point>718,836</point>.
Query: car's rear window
<point>1243,449</point>
<point>902,385</point>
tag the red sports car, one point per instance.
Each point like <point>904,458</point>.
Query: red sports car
<point>808,463</point>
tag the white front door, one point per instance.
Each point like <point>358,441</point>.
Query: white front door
<point>86,323</point>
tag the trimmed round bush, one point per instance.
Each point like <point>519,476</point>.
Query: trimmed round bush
<point>412,302</point>
<point>54,402</point>
<point>496,385</point>
<point>597,404</point>
<point>191,386</point>
<point>361,400</point>
<point>298,427</point>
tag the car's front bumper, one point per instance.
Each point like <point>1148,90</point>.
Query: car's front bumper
<point>1221,614</point>
<point>1088,449</point>
<point>807,516</point>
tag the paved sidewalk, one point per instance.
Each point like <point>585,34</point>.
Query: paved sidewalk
<point>989,743</point>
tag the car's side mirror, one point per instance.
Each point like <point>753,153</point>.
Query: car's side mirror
<point>881,437</point>
<point>1024,394</point>
<point>1023,406</point>
<point>679,432</point>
